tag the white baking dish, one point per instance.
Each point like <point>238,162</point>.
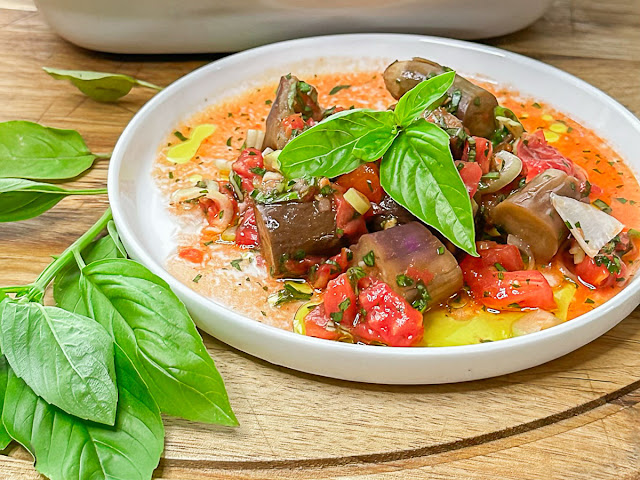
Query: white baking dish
<point>195,26</point>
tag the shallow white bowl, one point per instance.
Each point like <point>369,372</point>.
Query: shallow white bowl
<point>147,229</point>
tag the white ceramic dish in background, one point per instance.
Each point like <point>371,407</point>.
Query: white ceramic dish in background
<point>167,26</point>
<point>147,229</point>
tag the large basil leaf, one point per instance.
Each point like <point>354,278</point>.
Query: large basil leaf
<point>101,86</point>
<point>5,439</point>
<point>413,103</point>
<point>66,285</point>
<point>30,150</point>
<point>339,144</point>
<point>156,332</point>
<point>67,359</point>
<point>418,172</point>
<point>67,448</point>
<point>23,199</point>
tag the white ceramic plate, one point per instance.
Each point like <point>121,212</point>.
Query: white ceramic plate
<point>147,229</point>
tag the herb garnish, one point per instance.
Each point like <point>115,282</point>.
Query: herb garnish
<point>337,88</point>
<point>369,259</point>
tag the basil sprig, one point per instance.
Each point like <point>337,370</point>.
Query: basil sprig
<point>101,86</point>
<point>417,169</point>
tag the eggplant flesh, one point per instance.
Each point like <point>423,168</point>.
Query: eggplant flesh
<point>293,230</point>
<point>405,249</point>
<point>290,99</point>
<point>475,107</point>
<point>529,214</point>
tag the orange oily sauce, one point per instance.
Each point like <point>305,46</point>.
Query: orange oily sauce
<point>245,284</point>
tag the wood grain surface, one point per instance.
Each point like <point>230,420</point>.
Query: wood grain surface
<point>575,418</point>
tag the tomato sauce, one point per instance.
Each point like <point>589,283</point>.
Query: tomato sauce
<point>238,278</point>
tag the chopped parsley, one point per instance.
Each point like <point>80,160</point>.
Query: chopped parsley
<point>180,136</point>
<point>268,102</point>
<point>423,298</point>
<point>337,88</point>
<point>236,264</point>
<point>602,205</point>
<point>369,259</point>
<point>440,250</point>
<point>258,171</point>
<point>403,280</point>
<point>229,142</point>
<point>289,294</point>
<point>197,278</point>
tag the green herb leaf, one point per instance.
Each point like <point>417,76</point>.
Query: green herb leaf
<point>66,285</point>
<point>154,329</point>
<point>101,86</point>
<point>292,292</point>
<point>33,151</point>
<point>23,199</point>
<point>337,88</point>
<point>68,448</point>
<point>413,103</point>
<point>5,439</point>
<point>67,359</point>
<point>369,259</point>
<point>418,172</point>
<point>339,144</point>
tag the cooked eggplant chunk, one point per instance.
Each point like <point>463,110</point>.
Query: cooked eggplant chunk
<point>408,257</point>
<point>529,214</point>
<point>292,230</point>
<point>388,213</point>
<point>475,105</point>
<point>293,96</point>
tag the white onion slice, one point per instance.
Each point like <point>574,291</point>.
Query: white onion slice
<point>591,227</point>
<point>254,138</point>
<point>511,168</point>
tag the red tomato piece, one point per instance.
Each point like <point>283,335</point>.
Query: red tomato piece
<point>537,156</point>
<point>330,269</point>
<point>389,318</point>
<point>365,179</point>
<point>248,166</point>
<point>340,301</point>
<point>483,152</point>
<point>506,255</point>
<point>191,254</point>
<point>470,172</point>
<point>318,324</point>
<point>293,122</point>
<point>416,274</point>
<point>599,276</point>
<point>350,222</point>
<point>247,231</point>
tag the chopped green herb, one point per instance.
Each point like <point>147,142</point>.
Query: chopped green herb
<point>289,294</point>
<point>229,142</point>
<point>337,88</point>
<point>268,102</point>
<point>514,305</point>
<point>536,105</point>
<point>355,273</point>
<point>206,244</point>
<point>499,267</point>
<point>171,175</point>
<point>588,300</point>
<point>180,136</point>
<point>258,171</point>
<point>440,250</point>
<point>236,264</point>
<point>421,301</point>
<point>326,190</point>
<point>197,278</point>
<point>622,200</point>
<point>403,280</point>
<point>602,206</point>
<point>369,259</point>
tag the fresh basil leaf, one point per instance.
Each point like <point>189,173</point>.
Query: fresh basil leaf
<point>33,151</point>
<point>23,199</point>
<point>155,330</point>
<point>418,172</point>
<point>115,236</point>
<point>67,448</point>
<point>66,285</point>
<point>413,103</point>
<point>5,439</point>
<point>101,86</point>
<point>66,358</point>
<point>339,144</point>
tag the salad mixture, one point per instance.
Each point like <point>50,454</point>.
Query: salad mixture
<point>408,207</point>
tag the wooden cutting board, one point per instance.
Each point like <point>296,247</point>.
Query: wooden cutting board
<point>577,417</point>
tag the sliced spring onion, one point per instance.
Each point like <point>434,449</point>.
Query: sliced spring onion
<point>357,200</point>
<point>229,235</point>
<point>271,159</point>
<point>511,168</point>
<point>301,313</point>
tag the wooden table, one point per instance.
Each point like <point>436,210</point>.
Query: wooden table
<point>577,417</point>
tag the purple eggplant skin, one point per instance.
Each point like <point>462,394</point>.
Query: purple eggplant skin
<point>290,99</point>
<point>293,230</point>
<point>387,213</point>
<point>476,105</point>
<point>409,247</point>
<point>529,214</point>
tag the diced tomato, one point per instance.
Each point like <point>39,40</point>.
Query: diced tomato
<point>303,266</point>
<point>318,324</point>
<point>293,122</point>
<point>599,276</point>
<point>389,318</point>
<point>191,254</point>
<point>330,269</point>
<point>247,231</point>
<point>483,152</point>
<point>349,222</point>
<point>340,300</point>
<point>506,255</point>
<point>470,172</point>
<point>537,156</point>
<point>497,280</point>
<point>419,274</point>
<point>248,167</point>
<point>365,179</point>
